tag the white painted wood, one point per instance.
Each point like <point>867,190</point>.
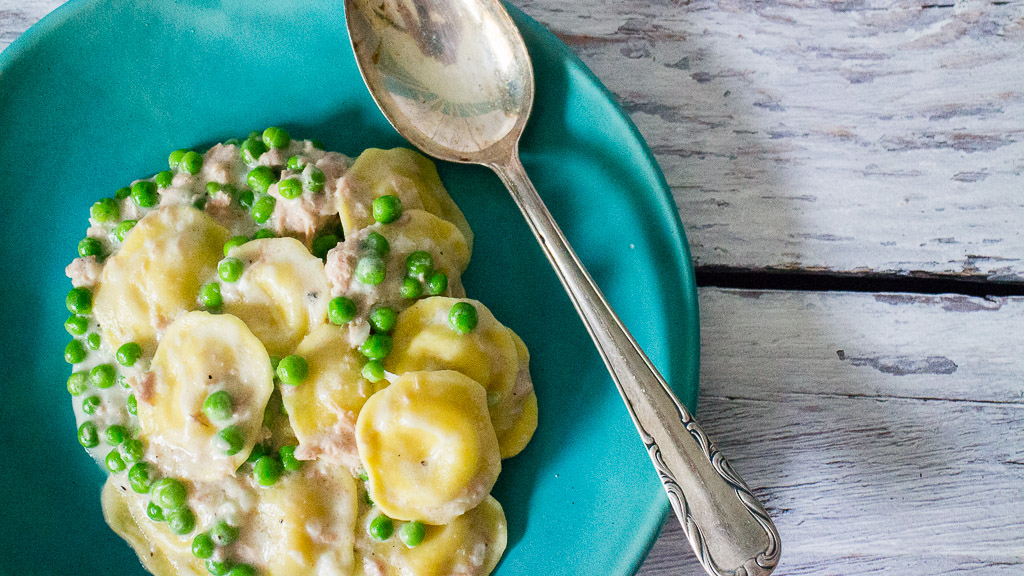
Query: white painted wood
<point>904,456</point>
<point>844,135</point>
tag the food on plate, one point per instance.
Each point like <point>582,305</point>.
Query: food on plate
<point>274,359</point>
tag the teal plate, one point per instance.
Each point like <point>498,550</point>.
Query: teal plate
<point>98,93</point>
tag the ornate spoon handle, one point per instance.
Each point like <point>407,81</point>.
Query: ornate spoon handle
<point>727,527</point>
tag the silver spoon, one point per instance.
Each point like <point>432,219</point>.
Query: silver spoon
<point>454,78</point>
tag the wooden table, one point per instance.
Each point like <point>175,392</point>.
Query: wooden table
<point>850,177</point>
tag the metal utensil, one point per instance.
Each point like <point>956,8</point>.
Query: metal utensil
<point>455,79</point>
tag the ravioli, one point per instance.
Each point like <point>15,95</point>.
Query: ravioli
<point>282,294</point>
<point>202,354</point>
<point>266,362</point>
<point>157,273</point>
<point>401,172</point>
<point>323,409</point>
<point>491,354</point>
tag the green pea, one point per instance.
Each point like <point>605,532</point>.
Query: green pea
<point>169,493</point>
<point>114,462</point>
<point>132,405</point>
<point>371,270</point>
<point>192,162</point>
<point>262,234</point>
<point>181,521</point>
<point>122,193</point>
<point>263,209</point>
<point>377,244</point>
<point>218,406</point>
<point>341,310</point>
<point>373,371</point>
<point>132,450</point>
<point>257,452</point>
<point>293,370</point>
<point>78,383</point>
<point>155,513</point>
<point>381,528</point>
<point>412,533</point>
<point>267,470</point>
<point>88,435</point>
<point>128,354</point>
<point>419,263</point>
<point>218,567</point>
<point>116,434</point>
<point>231,440</point>
<point>144,194</point>
<point>323,244</point>
<point>275,137</point>
<point>93,341</point>
<point>79,301</point>
<point>242,570</point>
<point>203,546</point>
<point>174,160</point>
<point>210,296</point>
<point>296,163</point>
<point>105,210</point>
<point>103,375</point>
<point>260,178</point>
<point>251,150</point>
<point>223,534</point>
<point>376,346</point>
<point>90,404</point>
<point>140,477</point>
<point>462,317</point>
<point>74,352</point>
<point>383,319</point>
<point>411,288</point>
<point>289,188</point>
<point>234,242</point>
<point>246,199</point>
<point>76,325</point>
<point>387,209</point>
<point>230,269</point>
<point>314,179</point>
<point>164,179</point>
<point>214,187</point>
<point>288,460</point>
<point>123,228</point>
<point>90,247</point>
<point>437,283</point>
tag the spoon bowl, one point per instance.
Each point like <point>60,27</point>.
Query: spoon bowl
<point>453,75</point>
<point>455,79</point>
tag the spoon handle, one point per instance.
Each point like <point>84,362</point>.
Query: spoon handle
<point>729,530</point>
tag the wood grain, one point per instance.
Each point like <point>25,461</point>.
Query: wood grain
<point>845,135</point>
<point>884,431</point>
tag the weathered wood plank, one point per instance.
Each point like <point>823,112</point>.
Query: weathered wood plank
<point>905,454</point>
<point>848,135</point>
<point>16,16</point>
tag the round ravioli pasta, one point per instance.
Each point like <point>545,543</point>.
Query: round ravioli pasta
<point>306,523</point>
<point>162,553</point>
<point>415,231</point>
<point>282,293</point>
<point>199,355</point>
<point>399,172</point>
<point>428,446</point>
<point>491,354</point>
<point>156,274</point>
<point>323,409</point>
<point>469,545</point>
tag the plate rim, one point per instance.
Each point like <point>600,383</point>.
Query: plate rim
<point>639,546</point>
